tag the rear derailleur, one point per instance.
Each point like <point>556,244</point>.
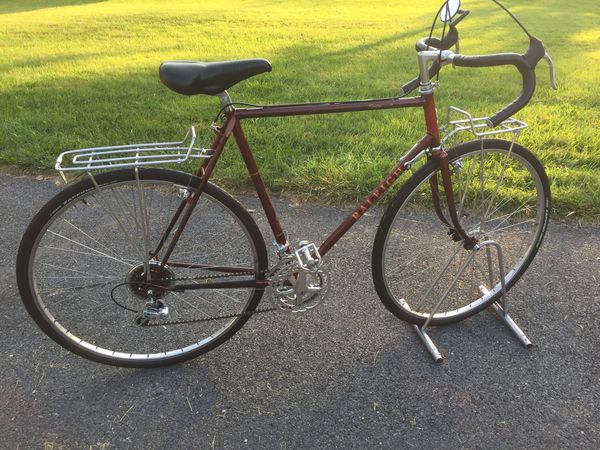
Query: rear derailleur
<point>154,309</point>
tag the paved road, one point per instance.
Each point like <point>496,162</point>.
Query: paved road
<point>348,375</point>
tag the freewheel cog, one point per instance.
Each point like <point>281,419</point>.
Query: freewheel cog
<point>162,280</point>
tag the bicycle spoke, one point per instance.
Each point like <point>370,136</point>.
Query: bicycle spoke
<point>219,291</point>
<point>109,209</point>
<point>53,291</point>
<point>459,273</point>
<point>497,230</point>
<point>105,247</point>
<point>466,190</point>
<point>505,218</point>
<point>498,183</point>
<point>68,269</point>
<point>96,252</point>
<point>481,176</point>
<point>180,297</point>
<point>144,225</point>
<point>437,278</point>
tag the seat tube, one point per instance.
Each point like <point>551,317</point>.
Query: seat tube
<point>259,185</point>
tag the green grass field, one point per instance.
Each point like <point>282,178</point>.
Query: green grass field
<point>83,73</point>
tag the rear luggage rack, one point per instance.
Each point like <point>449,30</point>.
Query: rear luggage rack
<point>135,155</point>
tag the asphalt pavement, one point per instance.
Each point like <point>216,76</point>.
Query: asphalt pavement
<point>345,375</point>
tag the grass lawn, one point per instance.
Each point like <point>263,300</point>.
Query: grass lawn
<point>84,73</point>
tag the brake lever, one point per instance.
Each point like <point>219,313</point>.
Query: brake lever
<point>462,13</point>
<point>551,67</point>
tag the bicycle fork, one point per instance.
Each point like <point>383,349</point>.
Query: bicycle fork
<point>455,228</point>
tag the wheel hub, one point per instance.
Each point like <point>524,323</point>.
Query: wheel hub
<point>162,279</point>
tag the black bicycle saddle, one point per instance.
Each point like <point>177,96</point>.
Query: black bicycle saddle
<point>195,77</point>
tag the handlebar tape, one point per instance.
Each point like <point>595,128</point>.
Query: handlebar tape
<point>525,64</point>
<point>435,43</point>
<point>410,86</point>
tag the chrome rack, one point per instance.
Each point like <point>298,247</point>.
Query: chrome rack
<point>478,126</point>
<point>135,155</point>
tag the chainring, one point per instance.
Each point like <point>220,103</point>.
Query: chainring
<point>285,281</point>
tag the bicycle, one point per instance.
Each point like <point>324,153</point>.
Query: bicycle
<point>140,266</point>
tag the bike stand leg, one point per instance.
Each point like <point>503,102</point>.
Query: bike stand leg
<point>500,306</point>
<point>512,326</point>
<point>429,345</point>
<point>508,321</point>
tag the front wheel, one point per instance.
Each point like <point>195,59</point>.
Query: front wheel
<point>83,265</point>
<point>422,270</point>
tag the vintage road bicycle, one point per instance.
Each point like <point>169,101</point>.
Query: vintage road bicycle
<point>140,266</point>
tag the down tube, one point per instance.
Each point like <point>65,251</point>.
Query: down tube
<point>372,198</point>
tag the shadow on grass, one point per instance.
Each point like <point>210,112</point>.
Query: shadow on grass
<point>18,6</point>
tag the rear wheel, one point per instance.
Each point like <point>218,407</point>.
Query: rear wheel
<point>81,267</point>
<point>502,195</point>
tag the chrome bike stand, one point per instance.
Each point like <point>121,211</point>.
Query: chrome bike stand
<point>500,306</point>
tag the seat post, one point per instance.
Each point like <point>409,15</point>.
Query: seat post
<point>225,100</point>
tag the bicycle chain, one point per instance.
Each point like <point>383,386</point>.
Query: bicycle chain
<point>208,319</point>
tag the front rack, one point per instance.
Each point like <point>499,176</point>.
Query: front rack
<point>135,155</point>
<point>479,126</point>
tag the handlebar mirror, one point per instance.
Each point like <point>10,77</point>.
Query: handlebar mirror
<point>449,9</point>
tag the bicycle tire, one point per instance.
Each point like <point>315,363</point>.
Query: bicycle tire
<point>74,260</point>
<point>502,194</point>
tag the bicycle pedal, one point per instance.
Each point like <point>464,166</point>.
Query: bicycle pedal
<point>308,256</point>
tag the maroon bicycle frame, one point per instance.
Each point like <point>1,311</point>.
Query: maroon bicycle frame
<point>232,126</point>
